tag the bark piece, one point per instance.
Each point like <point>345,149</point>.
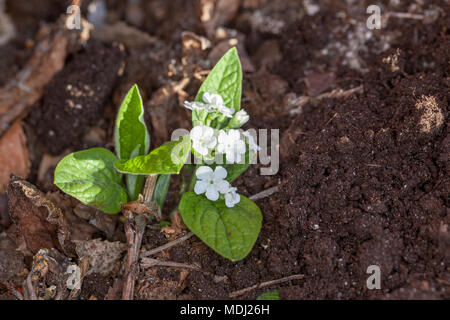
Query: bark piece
<point>14,156</point>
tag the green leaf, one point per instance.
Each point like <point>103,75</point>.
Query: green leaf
<point>134,185</point>
<point>231,232</point>
<point>131,132</point>
<point>134,182</point>
<point>270,295</point>
<point>167,159</point>
<point>162,224</point>
<point>90,177</point>
<point>161,188</point>
<point>224,79</point>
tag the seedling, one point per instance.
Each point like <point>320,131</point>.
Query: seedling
<point>270,295</point>
<point>227,222</point>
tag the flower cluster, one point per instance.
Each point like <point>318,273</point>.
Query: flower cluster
<point>229,142</point>
<point>213,103</point>
<point>213,184</point>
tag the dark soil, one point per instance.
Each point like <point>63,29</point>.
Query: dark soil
<point>364,177</point>
<point>76,97</point>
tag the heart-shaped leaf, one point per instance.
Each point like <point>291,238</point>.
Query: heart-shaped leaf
<point>224,79</point>
<point>90,177</point>
<point>167,159</point>
<point>231,232</point>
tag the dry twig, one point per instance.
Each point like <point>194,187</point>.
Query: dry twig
<point>150,262</point>
<point>134,230</point>
<point>30,288</point>
<point>335,94</point>
<point>167,245</point>
<point>264,194</point>
<point>237,293</point>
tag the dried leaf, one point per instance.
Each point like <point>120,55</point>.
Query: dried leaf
<point>318,83</point>
<point>49,280</point>
<point>123,33</point>
<point>45,221</point>
<point>11,263</point>
<point>14,156</point>
<point>102,255</point>
<point>223,12</point>
<point>40,221</point>
<point>48,59</point>
<point>173,231</point>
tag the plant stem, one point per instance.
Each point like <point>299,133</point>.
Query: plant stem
<point>193,178</point>
<point>149,188</point>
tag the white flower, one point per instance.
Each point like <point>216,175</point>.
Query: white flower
<point>231,197</point>
<point>195,105</point>
<point>231,145</point>
<point>242,117</point>
<point>216,104</point>
<point>211,182</point>
<point>203,139</point>
<point>251,142</point>
<point>239,119</point>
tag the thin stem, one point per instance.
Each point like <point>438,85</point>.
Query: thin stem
<point>265,284</point>
<point>149,188</point>
<point>193,178</point>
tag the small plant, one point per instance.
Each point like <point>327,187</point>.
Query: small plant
<point>270,295</point>
<point>227,222</point>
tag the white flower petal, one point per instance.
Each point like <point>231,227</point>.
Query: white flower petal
<point>223,186</point>
<point>204,173</point>
<point>222,136</point>
<point>251,142</point>
<point>230,157</point>
<point>240,147</point>
<point>196,133</point>
<point>207,97</point>
<point>208,131</point>
<point>237,158</point>
<point>217,98</point>
<point>220,173</point>
<point>234,135</point>
<point>213,98</point>
<point>200,149</point>
<point>188,105</point>
<point>229,201</point>
<point>212,193</point>
<point>211,143</point>
<point>236,198</point>
<point>221,148</point>
<point>232,198</point>
<point>242,116</point>
<point>200,187</point>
